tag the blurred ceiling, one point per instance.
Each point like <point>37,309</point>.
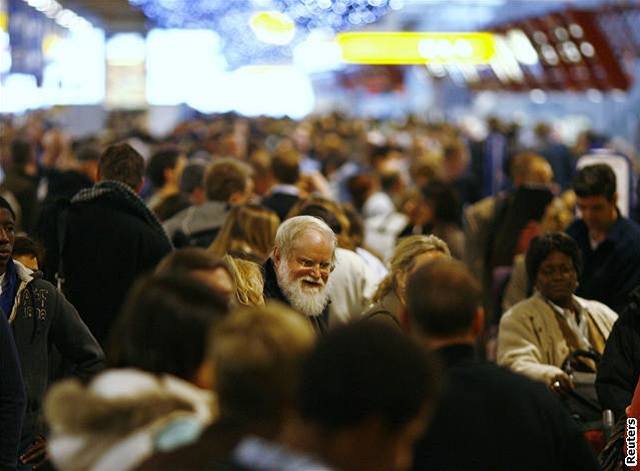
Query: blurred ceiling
<point>114,16</point>
<point>416,15</point>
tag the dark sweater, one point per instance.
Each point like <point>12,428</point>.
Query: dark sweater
<point>492,419</point>
<point>12,397</point>
<point>612,270</point>
<point>619,369</point>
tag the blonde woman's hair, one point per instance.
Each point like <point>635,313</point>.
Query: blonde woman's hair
<point>248,280</point>
<point>248,228</point>
<point>404,257</point>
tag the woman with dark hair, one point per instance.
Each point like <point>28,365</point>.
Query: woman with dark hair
<point>150,402</point>
<point>537,334</point>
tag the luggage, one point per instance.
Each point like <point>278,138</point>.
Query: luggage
<point>582,402</point>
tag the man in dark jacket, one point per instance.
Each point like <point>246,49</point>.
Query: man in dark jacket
<point>12,398</point>
<point>227,182</point>
<point>488,417</point>
<point>610,243</point>
<point>619,369</point>
<point>41,319</point>
<point>297,273</point>
<point>284,194</point>
<point>107,238</point>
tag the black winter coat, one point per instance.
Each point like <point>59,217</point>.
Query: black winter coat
<point>490,418</point>
<point>107,245</point>
<point>12,397</point>
<point>619,369</point>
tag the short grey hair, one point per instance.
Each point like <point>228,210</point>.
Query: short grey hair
<point>293,228</point>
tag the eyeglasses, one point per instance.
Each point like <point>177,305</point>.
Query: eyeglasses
<point>323,267</point>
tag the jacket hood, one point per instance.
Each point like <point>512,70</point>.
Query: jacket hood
<point>121,401</point>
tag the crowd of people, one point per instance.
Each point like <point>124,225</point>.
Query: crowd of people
<point>331,293</point>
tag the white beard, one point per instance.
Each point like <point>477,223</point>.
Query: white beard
<point>304,299</point>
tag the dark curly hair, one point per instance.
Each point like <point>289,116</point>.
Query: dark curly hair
<point>541,246</point>
<point>595,180</point>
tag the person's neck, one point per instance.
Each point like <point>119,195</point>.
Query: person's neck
<point>313,442</point>
<point>435,343</point>
<point>564,303</point>
<point>600,235</point>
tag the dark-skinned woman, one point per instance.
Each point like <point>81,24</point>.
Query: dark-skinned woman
<point>537,334</point>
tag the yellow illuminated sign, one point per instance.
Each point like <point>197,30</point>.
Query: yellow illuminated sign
<point>416,48</point>
<point>4,22</point>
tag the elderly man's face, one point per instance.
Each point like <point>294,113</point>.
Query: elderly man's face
<point>303,272</point>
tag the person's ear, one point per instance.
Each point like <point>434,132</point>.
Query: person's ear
<point>205,376</point>
<point>405,321</point>
<point>277,256</point>
<point>614,198</point>
<point>237,197</point>
<point>168,174</point>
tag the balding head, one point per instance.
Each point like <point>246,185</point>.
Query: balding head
<point>443,299</point>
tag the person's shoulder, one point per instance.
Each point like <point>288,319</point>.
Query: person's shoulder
<point>523,307</point>
<point>576,228</point>
<point>346,256</point>
<point>499,378</point>
<point>483,207</point>
<point>596,307</point>
<point>628,232</point>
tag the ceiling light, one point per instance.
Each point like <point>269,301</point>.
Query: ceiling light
<point>521,47</point>
<point>416,48</point>
<point>587,49</point>
<point>576,30</point>
<point>538,96</point>
<point>273,27</point>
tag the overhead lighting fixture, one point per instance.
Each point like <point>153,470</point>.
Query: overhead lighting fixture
<point>521,47</point>
<point>416,48</point>
<point>576,30</point>
<point>273,27</point>
<point>437,70</point>
<point>538,96</point>
<point>62,16</point>
<point>504,64</point>
<point>549,54</point>
<point>587,49</point>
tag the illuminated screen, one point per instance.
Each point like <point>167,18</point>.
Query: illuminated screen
<point>74,72</point>
<point>182,65</point>
<point>187,66</point>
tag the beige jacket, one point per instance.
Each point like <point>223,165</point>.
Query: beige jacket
<point>531,342</point>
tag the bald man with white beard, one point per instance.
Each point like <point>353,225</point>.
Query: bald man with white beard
<point>297,272</point>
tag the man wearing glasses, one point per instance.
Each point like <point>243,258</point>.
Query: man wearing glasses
<point>297,273</point>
